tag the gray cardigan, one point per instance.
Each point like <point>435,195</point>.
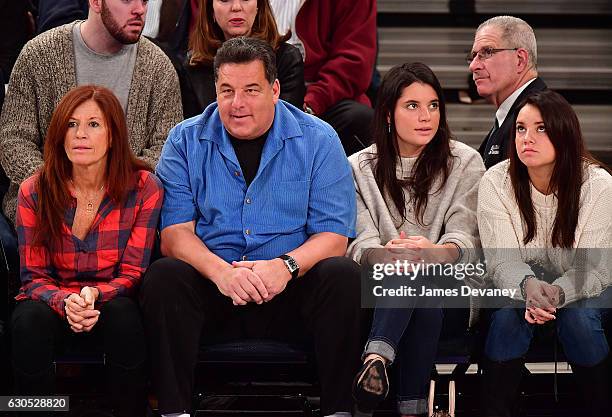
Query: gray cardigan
<point>450,215</point>
<point>45,72</point>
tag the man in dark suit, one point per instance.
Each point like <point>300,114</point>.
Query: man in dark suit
<point>503,62</point>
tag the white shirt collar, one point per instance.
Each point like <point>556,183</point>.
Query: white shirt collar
<point>503,110</point>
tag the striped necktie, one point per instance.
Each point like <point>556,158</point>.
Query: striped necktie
<point>492,132</point>
<point>495,128</point>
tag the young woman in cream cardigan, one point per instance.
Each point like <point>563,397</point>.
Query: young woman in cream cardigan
<point>545,221</point>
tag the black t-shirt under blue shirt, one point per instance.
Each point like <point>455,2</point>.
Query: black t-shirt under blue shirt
<point>248,153</point>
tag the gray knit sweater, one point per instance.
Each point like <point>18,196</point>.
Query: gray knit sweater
<point>45,72</point>
<point>450,215</point>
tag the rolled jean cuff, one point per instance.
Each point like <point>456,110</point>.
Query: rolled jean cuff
<point>412,406</point>
<point>381,348</point>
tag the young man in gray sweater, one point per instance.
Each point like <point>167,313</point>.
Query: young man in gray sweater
<point>106,49</point>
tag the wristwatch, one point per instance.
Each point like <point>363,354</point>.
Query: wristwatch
<point>292,265</point>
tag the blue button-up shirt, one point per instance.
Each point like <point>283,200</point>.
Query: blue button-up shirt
<point>303,185</point>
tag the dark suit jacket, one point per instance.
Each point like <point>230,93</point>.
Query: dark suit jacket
<point>495,147</point>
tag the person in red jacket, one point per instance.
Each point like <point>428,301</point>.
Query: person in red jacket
<point>338,41</point>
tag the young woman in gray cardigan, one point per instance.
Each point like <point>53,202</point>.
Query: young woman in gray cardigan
<point>416,197</point>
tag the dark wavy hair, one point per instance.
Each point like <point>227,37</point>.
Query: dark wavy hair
<point>432,163</point>
<point>242,50</point>
<point>56,172</point>
<point>206,36</point>
<point>563,130</point>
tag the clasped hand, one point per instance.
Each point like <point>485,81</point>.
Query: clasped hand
<point>80,311</point>
<point>254,281</point>
<point>413,249</point>
<point>541,301</point>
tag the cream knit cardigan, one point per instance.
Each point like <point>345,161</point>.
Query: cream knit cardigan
<point>583,271</point>
<point>45,72</point>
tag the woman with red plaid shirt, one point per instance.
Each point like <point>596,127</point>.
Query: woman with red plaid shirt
<point>86,226</point>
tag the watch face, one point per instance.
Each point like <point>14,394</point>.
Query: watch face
<point>292,264</point>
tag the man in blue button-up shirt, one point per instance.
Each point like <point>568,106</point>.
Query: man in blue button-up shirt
<point>254,236</point>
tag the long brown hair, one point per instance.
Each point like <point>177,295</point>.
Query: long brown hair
<point>563,130</point>
<point>432,163</point>
<point>52,185</point>
<point>206,36</point>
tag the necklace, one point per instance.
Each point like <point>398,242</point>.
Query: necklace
<point>89,207</point>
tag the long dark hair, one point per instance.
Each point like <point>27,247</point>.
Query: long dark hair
<point>56,172</point>
<point>563,130</point>
<point>206,36</point>
<point>434,160</point>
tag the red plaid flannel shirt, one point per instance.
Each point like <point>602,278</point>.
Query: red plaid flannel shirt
<point>112,257</point>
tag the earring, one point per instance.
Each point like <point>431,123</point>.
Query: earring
<point>389,127</point>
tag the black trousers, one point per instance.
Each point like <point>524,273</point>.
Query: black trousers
<point>323,306</point>
<point>39,334</point>
<point>352,120</point>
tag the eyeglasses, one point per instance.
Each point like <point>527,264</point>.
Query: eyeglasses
<point>486,53</point>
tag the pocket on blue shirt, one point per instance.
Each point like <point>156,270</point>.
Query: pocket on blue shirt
<point>288,208</point>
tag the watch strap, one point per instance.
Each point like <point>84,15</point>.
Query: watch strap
<point>288,260</point>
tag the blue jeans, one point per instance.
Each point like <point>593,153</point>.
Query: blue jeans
<point>411,335</point>
<point>579,326</point>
